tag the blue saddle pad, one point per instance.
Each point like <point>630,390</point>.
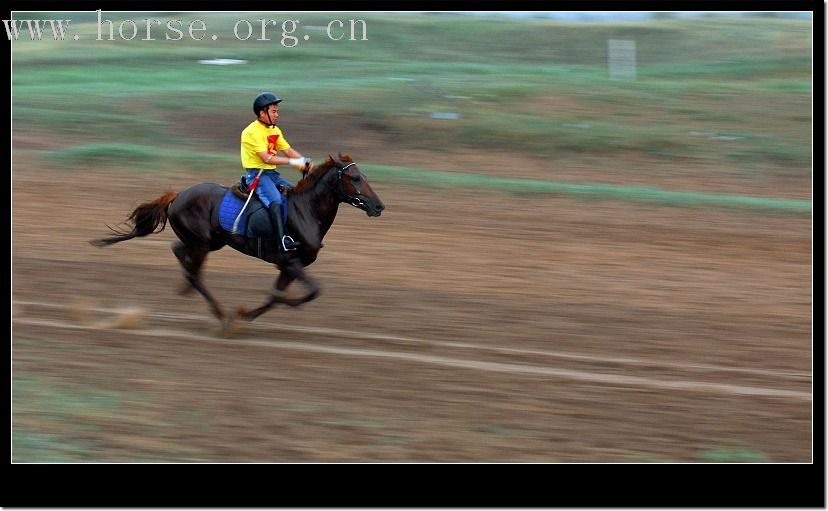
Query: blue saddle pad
<point>254,222</point>
<point>229,210</point>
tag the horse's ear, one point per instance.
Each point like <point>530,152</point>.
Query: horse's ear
<point>331,158</point>
<point>345,157</point>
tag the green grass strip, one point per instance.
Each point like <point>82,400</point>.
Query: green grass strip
<point>589,190</point>
<point>121,155</point>
<point>145,156</point>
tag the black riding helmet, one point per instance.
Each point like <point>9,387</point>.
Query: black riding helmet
<point>264,100</point>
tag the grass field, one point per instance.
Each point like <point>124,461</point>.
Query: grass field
<point>730,95</point>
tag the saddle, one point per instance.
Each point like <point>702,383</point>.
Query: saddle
<point>241,190</point>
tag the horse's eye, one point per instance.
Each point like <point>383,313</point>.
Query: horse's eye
<point>355,179</point>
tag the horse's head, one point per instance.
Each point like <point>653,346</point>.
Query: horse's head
<point>353,186</point>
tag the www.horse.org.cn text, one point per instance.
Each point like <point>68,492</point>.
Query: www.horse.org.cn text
<point>288,33</point>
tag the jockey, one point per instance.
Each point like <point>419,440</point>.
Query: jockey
<point>261,141</point>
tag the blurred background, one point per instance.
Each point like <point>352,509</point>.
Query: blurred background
<point>597,245</point>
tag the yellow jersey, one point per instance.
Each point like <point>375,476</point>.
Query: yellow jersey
<point>257,137</point>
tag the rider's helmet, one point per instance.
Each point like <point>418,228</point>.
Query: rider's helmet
<point>264,100</point>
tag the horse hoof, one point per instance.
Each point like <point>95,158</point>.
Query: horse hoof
<point>227,329</point>
<point>186,289</point>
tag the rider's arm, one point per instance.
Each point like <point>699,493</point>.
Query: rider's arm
<point>273,159</point>
<point>292,153</point>
<point>298,161</point>
<point>294,158</point>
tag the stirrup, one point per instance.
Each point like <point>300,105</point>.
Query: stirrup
<point>287,241</point>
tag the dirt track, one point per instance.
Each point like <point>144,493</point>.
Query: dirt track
<point>459,326</point>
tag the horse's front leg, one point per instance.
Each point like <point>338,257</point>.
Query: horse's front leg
<point>294,271</point>
<point>310,284</point>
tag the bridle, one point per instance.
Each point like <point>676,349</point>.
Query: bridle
<point>353,200</point>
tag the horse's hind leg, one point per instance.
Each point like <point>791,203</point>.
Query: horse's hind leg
<point>191,260</point>
<point>180,251</point>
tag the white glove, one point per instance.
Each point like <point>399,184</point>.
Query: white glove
<point>298,163</point>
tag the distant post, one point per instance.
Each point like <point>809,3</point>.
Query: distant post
<point>621,59</point>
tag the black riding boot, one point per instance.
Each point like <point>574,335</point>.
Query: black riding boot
<point>285,242</point>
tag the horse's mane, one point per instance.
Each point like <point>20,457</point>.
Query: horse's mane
<point>317,172</point>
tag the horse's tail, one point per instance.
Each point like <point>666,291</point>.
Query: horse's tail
<point>146,219</point>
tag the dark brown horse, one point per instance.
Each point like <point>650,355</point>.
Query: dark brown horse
<point>313,204</point>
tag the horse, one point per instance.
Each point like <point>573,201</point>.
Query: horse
<point>193,215</point>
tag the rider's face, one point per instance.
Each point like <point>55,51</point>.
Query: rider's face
<point>271,114</point>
